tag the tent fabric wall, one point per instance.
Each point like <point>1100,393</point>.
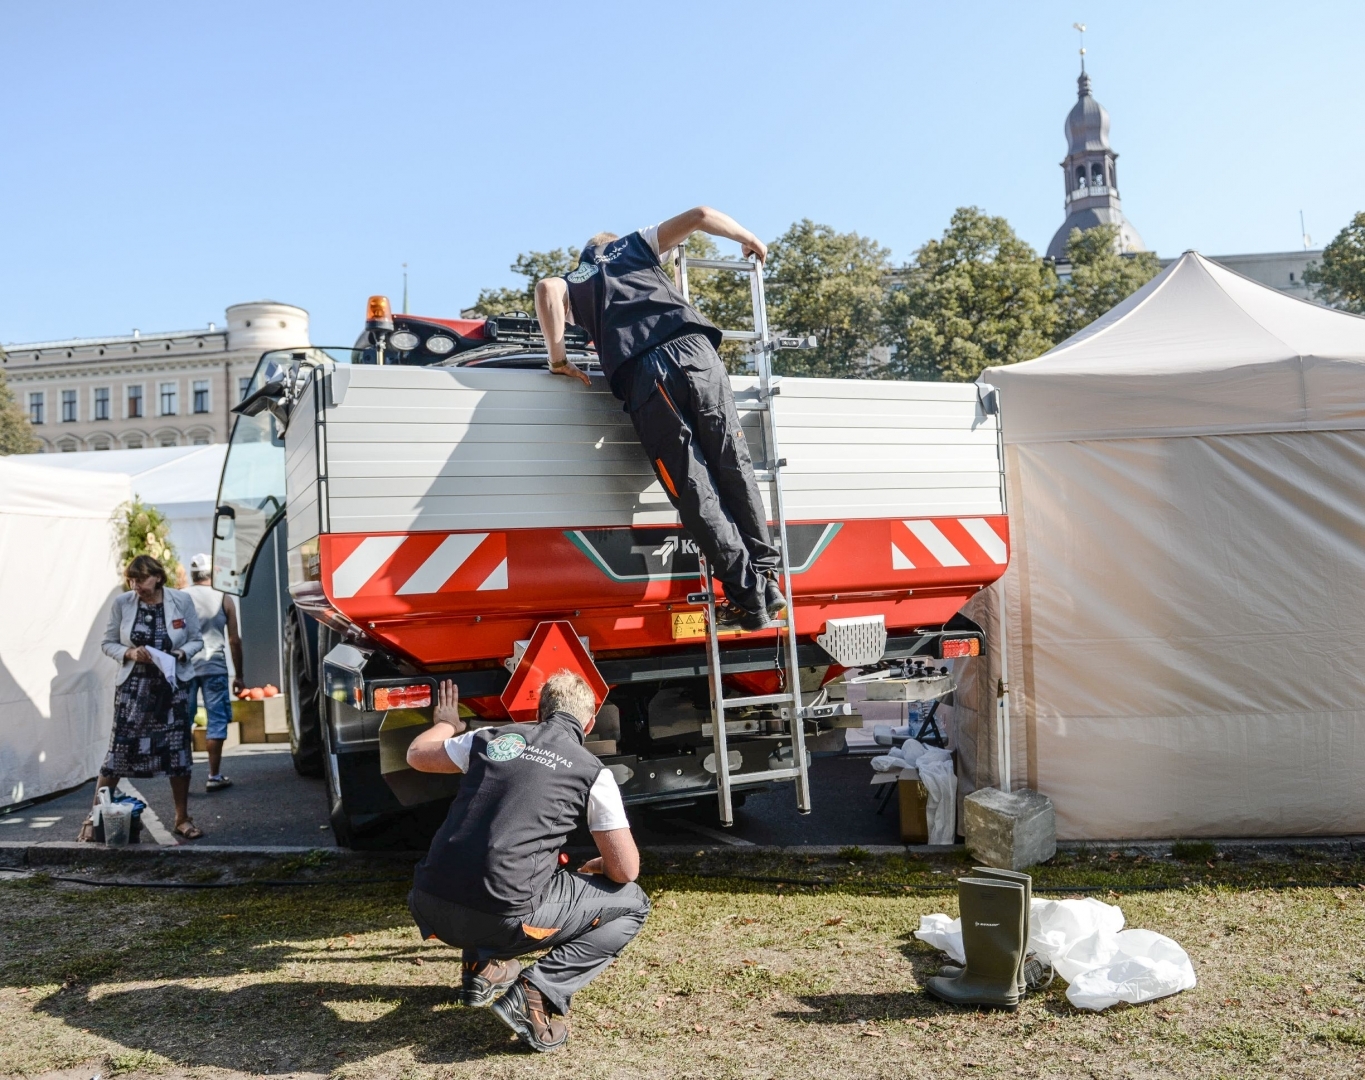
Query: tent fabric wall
<point>180,481</point>
<point>57,567</point>
<point>1186,612</point>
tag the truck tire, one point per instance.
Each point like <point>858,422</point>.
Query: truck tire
<point>301,699</point>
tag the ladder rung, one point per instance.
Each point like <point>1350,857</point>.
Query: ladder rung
<point>740,335</point>
<point>740,779</point>
<point>757,699</point>
<point>721,264</point>
<point>750,406</point>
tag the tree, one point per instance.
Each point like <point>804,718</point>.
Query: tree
<point>532,266</point>
<point>977,297</point>
<point>723,296</point>
<point>832,285</point>
<point>16,434</point>
<point>1340,279</point>
<point>1100,277</point>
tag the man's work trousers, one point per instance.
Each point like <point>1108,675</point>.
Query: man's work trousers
<point>684,414</point>
<point>585,920</point>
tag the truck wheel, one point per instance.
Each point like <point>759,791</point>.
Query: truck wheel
<point>301,700</point>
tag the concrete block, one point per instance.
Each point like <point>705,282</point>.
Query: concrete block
<point>1010,830</point>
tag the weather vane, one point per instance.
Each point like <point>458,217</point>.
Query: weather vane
<point>1079,27</point>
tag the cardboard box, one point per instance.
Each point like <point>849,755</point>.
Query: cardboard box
<point>262,721</point>
<point>234,737</point>
<point>914,804</point>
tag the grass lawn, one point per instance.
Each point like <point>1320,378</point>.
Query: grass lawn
<point>757,966</point>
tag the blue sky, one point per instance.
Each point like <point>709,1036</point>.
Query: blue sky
<point>161,161</point>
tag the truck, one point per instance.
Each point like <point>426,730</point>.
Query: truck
<point>449,509</point>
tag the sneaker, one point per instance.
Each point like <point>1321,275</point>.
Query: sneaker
<point>730,616</point>
<point>524,1010</point>
<point>217,783</point>
<point>484,983</point>
<point>772,594</point>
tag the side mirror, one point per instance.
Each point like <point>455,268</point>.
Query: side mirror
<point>273,389</point>
<point>223,512</point>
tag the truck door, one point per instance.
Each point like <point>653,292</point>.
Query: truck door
<point>251,492</point>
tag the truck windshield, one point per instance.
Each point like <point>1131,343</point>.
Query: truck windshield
<point>252,490</point>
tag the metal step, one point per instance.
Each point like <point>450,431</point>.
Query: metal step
<point>756,699</point>
<point>740,779</point>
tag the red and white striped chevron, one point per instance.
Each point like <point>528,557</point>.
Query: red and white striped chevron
<point>418,564</point>
<point>947,542</point>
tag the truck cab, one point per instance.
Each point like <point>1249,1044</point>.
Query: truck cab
<point>444,500</point>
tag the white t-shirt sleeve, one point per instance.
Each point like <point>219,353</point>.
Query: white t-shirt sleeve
<point>650,235</point>
<point>605,809</point>
<point>459,748</point>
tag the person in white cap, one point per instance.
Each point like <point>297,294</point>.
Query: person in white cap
<point>218,623</point>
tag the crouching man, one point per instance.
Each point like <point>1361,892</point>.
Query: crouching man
<point>491,883</point>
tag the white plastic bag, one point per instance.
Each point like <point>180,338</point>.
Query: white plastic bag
<point>942,933</point>
<point>1088,947</point>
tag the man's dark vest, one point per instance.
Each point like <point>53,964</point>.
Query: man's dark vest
<point>526,788</point>
<point>628,304</point>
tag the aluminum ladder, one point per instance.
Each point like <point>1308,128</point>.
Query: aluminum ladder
<point>763,345</point>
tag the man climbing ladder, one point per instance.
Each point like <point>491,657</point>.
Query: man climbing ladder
<point>659,355</point>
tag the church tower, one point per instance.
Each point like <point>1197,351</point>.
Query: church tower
<point>1092,192</point>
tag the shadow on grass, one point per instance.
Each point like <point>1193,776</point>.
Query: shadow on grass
<point>314,1026</point>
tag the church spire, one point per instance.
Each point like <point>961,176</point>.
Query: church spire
<point>1090,171</point>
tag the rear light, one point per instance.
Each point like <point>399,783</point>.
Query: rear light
<point>417,696</point>
<point>954,647</point>
<point>378,313</point>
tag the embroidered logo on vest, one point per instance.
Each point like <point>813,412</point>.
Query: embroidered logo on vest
<point>506,747</point>
<point>584,271</point>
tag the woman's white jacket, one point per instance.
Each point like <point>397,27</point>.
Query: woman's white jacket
<point>181,620</point>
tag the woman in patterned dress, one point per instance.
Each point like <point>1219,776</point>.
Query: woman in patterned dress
<point>152,734</point>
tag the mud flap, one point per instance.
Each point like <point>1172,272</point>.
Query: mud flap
<point>410,787</point>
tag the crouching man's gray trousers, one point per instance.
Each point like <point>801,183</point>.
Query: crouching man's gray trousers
<point>585,920</point>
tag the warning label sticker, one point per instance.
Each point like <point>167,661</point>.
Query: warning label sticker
<point>692,624</point>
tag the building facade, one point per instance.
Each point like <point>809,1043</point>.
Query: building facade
<point>141,390</point>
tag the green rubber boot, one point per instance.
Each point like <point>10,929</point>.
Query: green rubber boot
<point>992,937</point>
<point>952,971</point>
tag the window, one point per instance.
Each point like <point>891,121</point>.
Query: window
<point>133,442</point>
<point>168,395</point>
<point>68,446</point>
<point>35,407</point>
<point>243,385</point>
<point>200,438</point>
<point>100,444</point>
<point>101,404</point>
<point>68,406</point>
<point>134,403</point>
<point>201,395</point>
<point>167,439</point>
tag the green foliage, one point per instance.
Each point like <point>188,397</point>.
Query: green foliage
<point>531,266</point>
<point>832,285</point>
<point>722,296</point>
<point>977,297</point>
<point>16,434</point>
<point>1100,277</point>
<point>1340,279</point>
<point>140,529</point>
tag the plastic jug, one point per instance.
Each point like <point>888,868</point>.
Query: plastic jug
<point>117,819</point>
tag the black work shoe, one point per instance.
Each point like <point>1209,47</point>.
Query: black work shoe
<point>524,1010</point>
<point>730,616</point>
<point>484,982</point>
<point>772,595</point>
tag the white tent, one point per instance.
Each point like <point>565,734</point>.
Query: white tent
<point>58,575</point>
<point>1186,596</point>
<point>180,481</point>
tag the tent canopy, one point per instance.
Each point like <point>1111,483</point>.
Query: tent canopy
<point>1185,601</point>
<point>180,481</point>
<point>57,576</point>
<point>1198,350</point>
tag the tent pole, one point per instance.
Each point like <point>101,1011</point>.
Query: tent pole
<point>1002,701</point>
